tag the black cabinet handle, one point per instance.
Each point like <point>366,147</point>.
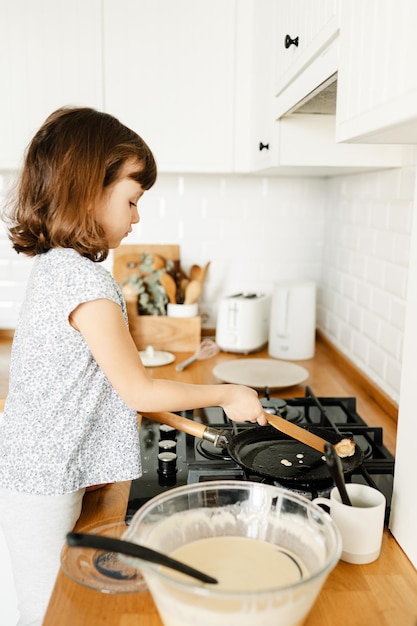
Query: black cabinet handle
<point>289,42</point>
<point>263,145</point>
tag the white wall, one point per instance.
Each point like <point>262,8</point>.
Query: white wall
<point>351,234</point>
<point>365,270</point>
<point>14,269</point>
<point>404,507</point>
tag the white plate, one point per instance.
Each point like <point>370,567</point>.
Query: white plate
<point>155,358</point>
<point>260,373</point>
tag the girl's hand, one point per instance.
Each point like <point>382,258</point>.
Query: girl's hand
<point>242,405</point>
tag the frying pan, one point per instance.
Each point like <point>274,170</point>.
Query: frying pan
<point>269,452</point>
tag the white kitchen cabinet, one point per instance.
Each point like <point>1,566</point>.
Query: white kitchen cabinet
<point>377,80</point>
<point>255,144</point>
<point>301,69</point>
<point>170,75</point>
<point>51,56</point>
<point>305,145</point>
<point>303,30</point>
<point>196,80</point>
<point>301,144</point>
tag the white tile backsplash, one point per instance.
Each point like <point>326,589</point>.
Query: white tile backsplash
<point>253,230</point>
<point>366,253</point>
<point>351,234</point>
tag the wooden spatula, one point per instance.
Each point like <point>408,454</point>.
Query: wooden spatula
<point>168,283</point>
<point>296,432</point>
<point>193,292</point>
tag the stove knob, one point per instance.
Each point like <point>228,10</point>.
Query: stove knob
<point>269,406</point>
<point>167,432</point>
<point>274,406</point>
<point>167,463</point>
<point>167,445</point>
<point>167,468</point>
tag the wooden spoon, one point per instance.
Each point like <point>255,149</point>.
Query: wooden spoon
<point>203,273</point>
<point>184,283</point>
<point>168,283</point>
<point>296,432</point>
<point>195,272</point>
<point>158,262</point>
<point>193,291</point>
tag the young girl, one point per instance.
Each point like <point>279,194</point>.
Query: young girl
<point>76,380</point>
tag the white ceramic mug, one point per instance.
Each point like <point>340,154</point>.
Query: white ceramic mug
<point>360,525</point>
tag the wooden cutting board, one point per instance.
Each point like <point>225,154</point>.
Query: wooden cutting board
<point>126,258</point>
<point>260,373</point>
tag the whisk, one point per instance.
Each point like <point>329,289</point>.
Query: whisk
<point>206,349</point>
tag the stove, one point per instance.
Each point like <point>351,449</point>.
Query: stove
<point>171,458</point>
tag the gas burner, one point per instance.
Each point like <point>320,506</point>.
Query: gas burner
<point>364,445</point>
<point>211,452</point>
<point>277,406</point>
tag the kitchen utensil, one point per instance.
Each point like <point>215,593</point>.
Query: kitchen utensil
<point>206,349</point>
<point>270,454</point>
<point>334,464</point>
<point>168,283</point>
<point>267,452</point>
<point>184,283</point>
<point>291,429</point>
<point>180,294</point>
<point>195,272</point>
<point>158,262</point>
<point>203,272</point>
<point>260,373</point>
<point>221,522</point>
<point>193,291</point>
<point>143,553</point>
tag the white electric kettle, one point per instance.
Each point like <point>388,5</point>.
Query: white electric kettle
<point>292,326</point>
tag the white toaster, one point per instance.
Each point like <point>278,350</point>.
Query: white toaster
<point>243,322</point>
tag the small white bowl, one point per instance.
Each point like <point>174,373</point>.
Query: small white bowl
<point>182,310</point>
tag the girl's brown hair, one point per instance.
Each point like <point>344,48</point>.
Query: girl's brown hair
<point>74,156</point>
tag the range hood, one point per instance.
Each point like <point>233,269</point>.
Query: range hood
<point>322,100</point>
<point>312,90</point>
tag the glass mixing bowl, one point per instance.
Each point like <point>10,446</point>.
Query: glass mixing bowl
<point>270,549</point>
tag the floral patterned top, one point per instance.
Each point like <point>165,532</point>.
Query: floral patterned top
<point>64,425</point>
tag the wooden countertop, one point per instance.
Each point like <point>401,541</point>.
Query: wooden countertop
<point>381,593</point>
